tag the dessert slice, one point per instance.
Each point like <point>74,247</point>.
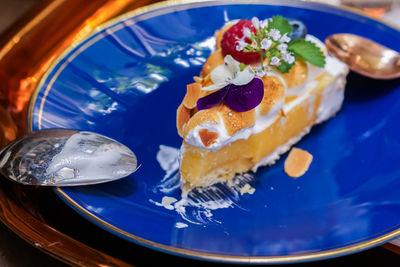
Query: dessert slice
<point>259,92</point>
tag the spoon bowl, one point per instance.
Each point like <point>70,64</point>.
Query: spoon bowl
<point>61,157</point>
<point>365,56</point>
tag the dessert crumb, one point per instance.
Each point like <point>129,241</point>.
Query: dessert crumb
<point>247,189</point>
<point>167,202</point>
<point>181,225</point>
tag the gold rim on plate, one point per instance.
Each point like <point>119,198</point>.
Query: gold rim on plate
<point>163,8</point>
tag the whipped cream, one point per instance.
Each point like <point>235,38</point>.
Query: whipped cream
<point>331,103</point>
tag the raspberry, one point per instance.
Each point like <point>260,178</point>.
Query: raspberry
<point>229,42</point>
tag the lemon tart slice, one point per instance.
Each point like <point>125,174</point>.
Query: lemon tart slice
<point>257,95</point>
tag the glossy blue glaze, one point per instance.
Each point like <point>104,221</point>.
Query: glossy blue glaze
<point>126,82</point>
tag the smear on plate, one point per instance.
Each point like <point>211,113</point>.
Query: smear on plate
<point>197,205</point>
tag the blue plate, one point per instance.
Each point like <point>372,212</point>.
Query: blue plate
<point>127,79</point>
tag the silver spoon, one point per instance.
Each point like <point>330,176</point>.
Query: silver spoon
<point>60,157</point>
<point>364,56</point>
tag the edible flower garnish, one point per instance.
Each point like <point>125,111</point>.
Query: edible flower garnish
<point>241,90</point>
<point>229,73</point>
<point>239,98</point>
<point>271,39</point>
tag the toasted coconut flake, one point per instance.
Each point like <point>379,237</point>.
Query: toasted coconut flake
<point>297,162</point>
<point>192,94</point>
<point>208,137</point>
<point>198,79</point>
<point>182,117</point>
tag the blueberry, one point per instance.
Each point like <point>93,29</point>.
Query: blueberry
<point>299,29</point>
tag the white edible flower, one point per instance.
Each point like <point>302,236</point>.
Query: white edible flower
<point>275,61</point>
<point>266,44</point>
<point>275,34</point>
<point>229,73</point>
<point>285,38</point>
<point>288,57</point>
<point>264,23</point>
<point>260,72</point>
<point>247,32</point>
<point>282,48</point>
<point>240,44</point>
<point>256,22</point>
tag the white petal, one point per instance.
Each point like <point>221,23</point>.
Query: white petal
<point>260,73</point>
<point>288,57</point>
<point>246,32</point>
<point>285,38</point>
<point>232,65</point>
<point>261,70</point>
<point>221,74</point>
<point>266,44</point>
<point>256,22</point>
<point>229,72</point>
<point>264,23</point>
<point>282,48</point>
<point>275,61</point>
<point>240,44</point>
<point>213,87</point>
<point>275,34</point>
<point>244,77</point>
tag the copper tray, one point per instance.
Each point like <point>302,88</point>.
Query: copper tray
<point>37,215</point>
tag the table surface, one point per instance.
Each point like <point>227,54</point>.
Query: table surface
<point>16,252</point>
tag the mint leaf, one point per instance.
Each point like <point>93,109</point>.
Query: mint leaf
<point>281,24</point>
<point>308,51</point>
<point>284,67</point>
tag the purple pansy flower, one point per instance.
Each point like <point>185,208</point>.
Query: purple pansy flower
<point>239,98</point>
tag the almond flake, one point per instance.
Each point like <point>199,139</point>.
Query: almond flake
<point>192,95</point>
<point>297,162</point>
<point>182,117</point>
<point>208,137</point>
